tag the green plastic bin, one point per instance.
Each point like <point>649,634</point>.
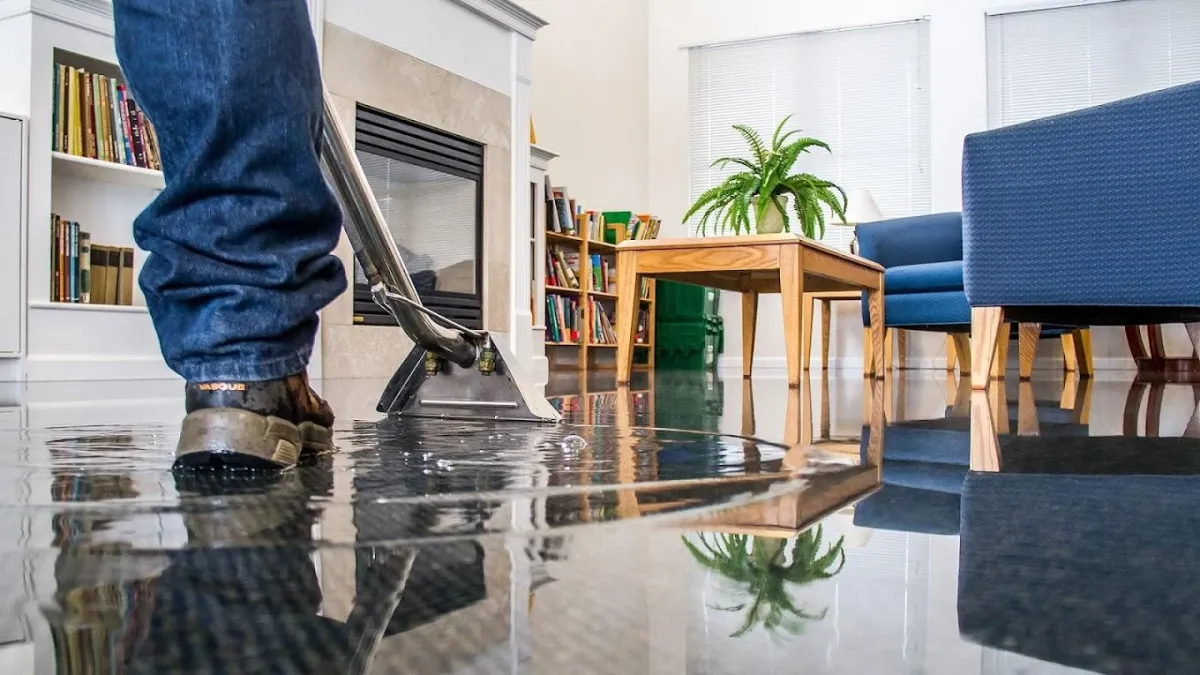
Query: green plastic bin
<point>689,345</point>
<point>676,301</point>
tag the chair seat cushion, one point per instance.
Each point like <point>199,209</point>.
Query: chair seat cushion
<point>925,278</point>
<point>924,311</point>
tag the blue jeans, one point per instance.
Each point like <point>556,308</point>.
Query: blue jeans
<point>241,238</point>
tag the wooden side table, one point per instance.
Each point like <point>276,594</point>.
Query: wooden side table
<point>787,264</point>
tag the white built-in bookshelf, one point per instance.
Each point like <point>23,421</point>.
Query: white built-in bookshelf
<point>74,340</point>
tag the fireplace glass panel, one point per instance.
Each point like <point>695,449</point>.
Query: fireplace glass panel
<point>432,217</point>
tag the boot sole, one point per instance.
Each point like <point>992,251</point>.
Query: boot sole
<point>228,437</point>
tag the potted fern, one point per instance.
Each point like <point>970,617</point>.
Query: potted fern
<point>764,186</point>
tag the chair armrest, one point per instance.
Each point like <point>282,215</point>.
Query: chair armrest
<point>1098,207</point>
<point>912,241</point>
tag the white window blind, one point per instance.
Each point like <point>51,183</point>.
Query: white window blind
<point>864,91</point>
<point>1052,61</point>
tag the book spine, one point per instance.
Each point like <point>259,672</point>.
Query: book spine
<point>85,267</point>
<point>56,142</point>
<point>54,257</point>
<point>139,155</point>
<point>89,115</point>
<point>73,256</point>
<point>114,112</point>
<point>152,138</point>
<point>73,145</point>
<point>126,126</point>
<point>62,260</point>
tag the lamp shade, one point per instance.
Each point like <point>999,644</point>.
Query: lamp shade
<point>861,207</point>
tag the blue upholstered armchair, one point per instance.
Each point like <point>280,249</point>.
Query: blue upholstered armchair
<point>923,288</point>
<point>922,257</point>
<point>1092,217</point>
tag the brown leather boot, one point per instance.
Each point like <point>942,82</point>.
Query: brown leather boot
<point>267,425</point>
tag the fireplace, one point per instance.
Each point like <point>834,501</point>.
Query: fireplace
<point>429,185</point>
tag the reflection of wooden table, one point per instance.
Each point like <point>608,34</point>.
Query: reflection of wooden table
<point>787,264</point>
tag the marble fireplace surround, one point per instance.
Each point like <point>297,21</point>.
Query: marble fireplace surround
<point>360,70</point>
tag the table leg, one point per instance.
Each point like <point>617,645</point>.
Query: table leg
<point>826,318</point>
<point>791,290</point>
<point>875,313</point>
<point>749,330</point>
<point>627,309</point>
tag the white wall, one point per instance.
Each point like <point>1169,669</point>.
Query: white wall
<point>443,34</point>
<point>577,59</point>
<point>958,102</point>
<point>590,97</point>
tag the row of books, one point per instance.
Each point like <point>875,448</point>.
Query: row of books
<point>95,116</point>
<point>565,322</point>
<point>562,270</point>
<point>564,216</point>
<point>562,267</point>
<point>564,319</point>
<point>88,273</point>
<point>604,276</point>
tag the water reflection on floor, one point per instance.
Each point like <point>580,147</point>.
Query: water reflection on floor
<point>843,527</point>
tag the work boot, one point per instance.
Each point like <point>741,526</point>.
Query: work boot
<point>269,424</point>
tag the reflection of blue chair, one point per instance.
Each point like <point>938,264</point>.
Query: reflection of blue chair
<point>926,461</point>
<point>1090,571</point>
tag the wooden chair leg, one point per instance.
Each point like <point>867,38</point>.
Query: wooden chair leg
<point>749,330</point>
<point>986,324</point>
<point>1083,352</point>
<point>868,362</point>
<point>1027,344</point>
<point>1000,363</point>
<point>951,354</point>
<point>826,319</point>
<point>962,353</point>
<point>1070,364</point>
<point>889,352</point>
<point>901,349</point>
<point>806,328</point>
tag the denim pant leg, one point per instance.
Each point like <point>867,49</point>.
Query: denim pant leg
<point>240,240</point>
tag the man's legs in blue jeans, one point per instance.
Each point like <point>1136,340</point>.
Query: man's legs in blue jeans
<point>240,240</point>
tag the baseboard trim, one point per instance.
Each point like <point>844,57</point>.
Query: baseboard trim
<point>778,364</point>
<point>73,368</point>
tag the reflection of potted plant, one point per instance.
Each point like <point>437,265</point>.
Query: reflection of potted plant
<point>765,568</point>
<point>763,188</point>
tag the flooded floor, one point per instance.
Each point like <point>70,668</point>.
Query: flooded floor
<point>688,524</point>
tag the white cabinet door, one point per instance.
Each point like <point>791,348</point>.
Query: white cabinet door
<point>12,207</point>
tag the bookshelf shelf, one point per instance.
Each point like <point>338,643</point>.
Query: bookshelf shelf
<point>563,238</point>
<point>90,166</point>
<point>88,307</point>
<point>580,257</point>
<point>107,172</point>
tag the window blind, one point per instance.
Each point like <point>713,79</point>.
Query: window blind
<point>1051,61</point>
<point>863,91</point>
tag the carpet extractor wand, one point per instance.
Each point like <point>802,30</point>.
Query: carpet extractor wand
<point>452,371</point>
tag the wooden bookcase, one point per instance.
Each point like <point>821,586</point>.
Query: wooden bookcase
<point>587,353</point>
